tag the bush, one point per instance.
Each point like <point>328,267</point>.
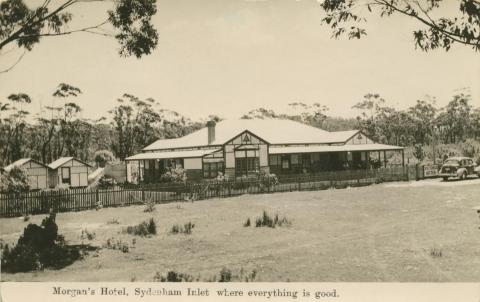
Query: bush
<point>14,181</point>
<point>173,276</point>
<point>174,175</point>
<point>87,235</point>
<point>149,206</point>
<point>106,182</point>
<point>225,275</point>
<point>267,221</point>
<point>186,229</point>
<point>103,156</point>
<point>143,229</point>
<point>247,223</point>
<point>38,247</point>
<point>113,221</point>
<point>118,244</point>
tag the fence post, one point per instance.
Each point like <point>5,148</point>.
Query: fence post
<point>143,193</point>
<point>43,202</point>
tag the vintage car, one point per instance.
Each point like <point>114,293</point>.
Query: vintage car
<point>459,167</point>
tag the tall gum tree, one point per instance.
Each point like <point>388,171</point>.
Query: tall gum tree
<point>461,26</point>
<point>128,22</point>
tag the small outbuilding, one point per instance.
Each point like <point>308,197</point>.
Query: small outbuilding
<point>69,171</point>
<point>36,171</point>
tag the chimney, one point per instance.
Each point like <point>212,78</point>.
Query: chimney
<point>211,131</point>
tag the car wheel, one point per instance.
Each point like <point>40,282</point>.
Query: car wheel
<point>464,176</point>
<point>445,178</point>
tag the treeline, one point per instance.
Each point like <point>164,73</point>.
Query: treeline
<point>60,131</point>
<point>134,123</point>
<point>422,124</point>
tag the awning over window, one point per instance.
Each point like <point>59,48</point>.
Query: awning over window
<point>326,148</point>
<point>170,154</point>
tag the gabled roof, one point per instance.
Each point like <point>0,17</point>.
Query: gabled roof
<point>274,131</point>
<point>63,160</point>
<point>59,162</point>
<point>21,162</point>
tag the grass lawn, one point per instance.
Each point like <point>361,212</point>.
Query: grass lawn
<point>387,232</point>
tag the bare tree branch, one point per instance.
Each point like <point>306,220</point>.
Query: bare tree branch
<point>449,34</point>
<point>14,64</point>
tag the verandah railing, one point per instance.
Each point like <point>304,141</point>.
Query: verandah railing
<point>41,202</point>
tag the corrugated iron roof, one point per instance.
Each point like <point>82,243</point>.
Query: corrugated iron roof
<point>170,154</point>
<point>21,162</point>
<point>326,148</point>
<point>274,131</point>
<point>18,163</point>
<point>62,160</point>
<point>59,162</point>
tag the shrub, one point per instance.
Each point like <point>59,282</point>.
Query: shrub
<point>174,175</point>
<point>173,276</point>
<point>15,181</point>
<point>149,206</point>
<point>87,235</point>
<point>151,227</point>
<point>225,275</point>
<point>418,152</point>
<point>143,229</point>
<point>117,244</point>
<point>268,179</point>
<point>220,177</point>
<point>113,221</point>
<point>103,156</point>
<point>470,148</point>
<point>247,223</point>
<point>185,229</point>
<point>267,221</point>
<point>434,252</point>
<point>38,247</point>
<point>106,182</point>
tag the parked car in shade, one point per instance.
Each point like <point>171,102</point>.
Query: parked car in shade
<point>458,167</point>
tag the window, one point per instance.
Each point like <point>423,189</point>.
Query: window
<point>274,160</point>
<point>210,170</point>
<point>246,166</point>
<point>66,175</point>
<point>285,162</point>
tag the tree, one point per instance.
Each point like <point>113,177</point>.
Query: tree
<point>135,124</point>
<point>347,17</point>
<point>102,157</point>
<point>369,109</point>
<point>23,27</point>
<point>423,118</point>
<point>454,121</point>
<point>12,128</point>
<point>260,113</point>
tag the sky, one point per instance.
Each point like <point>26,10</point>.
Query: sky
<point>227,57</point>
